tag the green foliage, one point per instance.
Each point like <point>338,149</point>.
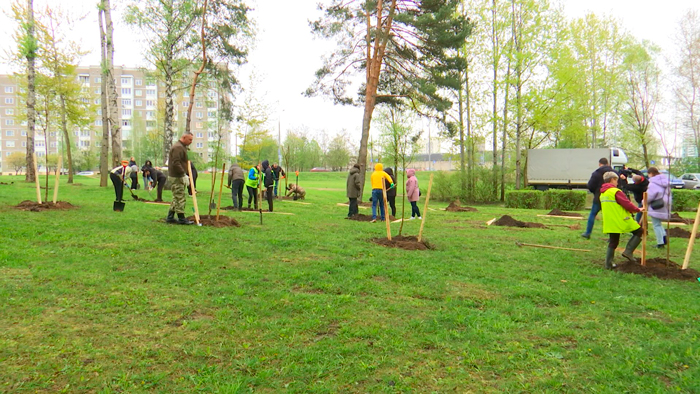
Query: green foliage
<point>445,186</point>
<point>338,155</point>
<point>16,160</point>
<point>686,200</point>
<point>524,199</point>
<point>565,200</point>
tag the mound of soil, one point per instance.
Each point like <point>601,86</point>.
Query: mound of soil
<point>556,212</point>
<point>367,218</point>
<point>657,267</point>
<point>231,208</point>
<point>508,221</point>
<point>34,206</point>
<point>455,206</point>
<point>402,242</point>
<point>677,232</point>
<point>224,221</point>
<point>5,183</point>
<point>676,218</point>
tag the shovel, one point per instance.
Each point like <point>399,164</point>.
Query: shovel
<point>118,206</point>
<point>134,196</point>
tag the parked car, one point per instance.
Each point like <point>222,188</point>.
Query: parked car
<point>691,180</point>
<point>86,173</point>
<point>676,183</point>
<point>320,169</point>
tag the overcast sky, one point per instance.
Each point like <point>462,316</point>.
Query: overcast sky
<point>286,55</point>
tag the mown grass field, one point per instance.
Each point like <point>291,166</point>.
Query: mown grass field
<point>101,302</point>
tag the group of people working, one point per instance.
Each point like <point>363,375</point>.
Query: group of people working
<point>268,175</point>
<point>610,190</point>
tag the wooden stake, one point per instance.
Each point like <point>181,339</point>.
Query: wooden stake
<point>644,230</point>
<point>425,208</point>
<point>194,194</point>
<point>58,175</point>
<point>691,241</point>
<point>386,212</point>
<point>551,247</point>
<point>36,180</point>
<point>221,188</point>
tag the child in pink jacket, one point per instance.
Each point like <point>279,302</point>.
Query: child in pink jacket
<point>412,193</point>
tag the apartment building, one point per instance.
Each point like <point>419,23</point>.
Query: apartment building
<point>141,104</point>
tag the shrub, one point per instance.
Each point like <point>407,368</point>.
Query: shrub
<point>565,200</point>
<point>685,200</point>
<point>528,199</point>
<point>445,186</point>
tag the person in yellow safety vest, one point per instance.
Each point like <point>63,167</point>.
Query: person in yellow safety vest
<point>377,178</point>
<point>251,184</point>
<point>618,218</point>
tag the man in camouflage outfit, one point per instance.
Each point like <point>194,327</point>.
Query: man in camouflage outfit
<point>177,171</point>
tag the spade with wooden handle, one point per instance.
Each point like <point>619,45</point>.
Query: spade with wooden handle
<point>550,247</point>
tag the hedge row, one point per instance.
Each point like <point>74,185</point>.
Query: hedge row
<point>565,200</point>
<point>686,200</point>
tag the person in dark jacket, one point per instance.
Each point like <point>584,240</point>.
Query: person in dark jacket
<point>353,188</point>
<point>159,180</point>
<point>391,191</point>
<point>594,185</point>
<point>147,180</point>
<point>638,186</point>
<point>177,169</point>
<point>118,176</point>
<point>278,173</point>
<point>236,179</point>
<point>268,182</point>
<point>134,175</point>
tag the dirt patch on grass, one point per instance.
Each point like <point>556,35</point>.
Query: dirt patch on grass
<point>403,242</point>
<point>34,206</point>
<point>5,183</point>
<point>224,221</point>
<point>456,206</point>
<point>231,208</point>
<point>367,218</point>
<point>508,221</point>
<point>676,218</point>
<point>677,232</point>
<point>657,267</point>
<point>556,212</point>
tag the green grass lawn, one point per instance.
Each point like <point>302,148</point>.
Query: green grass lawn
<point>97,301</point>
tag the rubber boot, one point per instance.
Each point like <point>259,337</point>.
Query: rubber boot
<point>631,246</point>
<point>171,217</point>
<point>609,255</point>
<point>181,219</point>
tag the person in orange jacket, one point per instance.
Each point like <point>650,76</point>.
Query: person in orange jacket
<point>378,176</point>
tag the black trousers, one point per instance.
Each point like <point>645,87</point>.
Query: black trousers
<point>237,193</point>
<point>161,184</point>
<point>134,181</point>
<point>270,196</point>
<point>252,195</point>
<point>392,204</point>
<point>118,186</point>
<point>614,238</point>
<point>353,210</point>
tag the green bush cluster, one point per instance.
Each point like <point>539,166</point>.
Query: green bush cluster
<point>565,200</point>
<point>527,199</point>
<point>686,200</point>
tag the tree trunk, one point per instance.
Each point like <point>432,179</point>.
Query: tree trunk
<point>66,137</point>
<point>196,73</point>
<point>494,42</point>
<point>470,138</point>
<point>646,155</point>
<point>114,118</point>
<point>169,109</point>
<point>31,94</point>
<point>517,36</point>
<point>104,147</point>
<point>505,134</point>
<point>462,164</point>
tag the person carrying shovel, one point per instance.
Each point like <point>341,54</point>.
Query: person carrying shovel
<point>618,218</point>
<point>377,177</point>
<point>117,176</point>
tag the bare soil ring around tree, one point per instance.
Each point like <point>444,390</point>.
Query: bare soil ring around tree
<point>366,218</point>
<point>403,242</point>
<point>508,221</point>
<point>557,212</point>
<point>677,232</point>
<point>210,221</point>
<point>34,206</point>
<point>658,268</point>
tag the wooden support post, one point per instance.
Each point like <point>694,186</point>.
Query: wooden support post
<point>194,194</point>
<point>691,241</point>
<point>425,208</point>
<point>58,175</point>
<point>386,212</point>
<point>644,230</point>
<point>36,180</point>
<point>221,188</point>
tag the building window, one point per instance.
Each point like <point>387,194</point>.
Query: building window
<point>97,144</point>
<point>85,133</point>
<point>98,91</point>
<point>150,92</point>
<point>10,133</point>
<point>185,104</point>
<point>126,123</point>
<point>52,144</point>
<point>9,111</point>
<point>126,91</point>
<point>199,104</point>
<point>150,103</point>
<point>10,144</point>
<point>126,81</point>
<point>151,83</point>
<point>40,154</point>
<point>200,135</point>
<point>24,144</point>
<point>39,144</point>
<point>126,112</point>
<point>9,100</point>
<point>23,133</point>
<point>150,114</point>
<point>98,122</point>
<point>137,82</point>
<point>84,144</point>
<point>199,115</point>
<point>126,102</point>
<point>150,123</point>
<point>99,112</point>
<point>84,90</point>
<point>9,89</point>
<point>98,101</point>
<point>139,92</point>
<point>211,134</point>
<point>98,79</point>
<point>84,78</point>
<point>211,114</point>
<point>9,122</point>
<point>52,134</point>
<point>85,101</point>
<point>200,145</point>
<point>138,103</point>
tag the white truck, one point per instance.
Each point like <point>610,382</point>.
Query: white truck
<point>568,168</point>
